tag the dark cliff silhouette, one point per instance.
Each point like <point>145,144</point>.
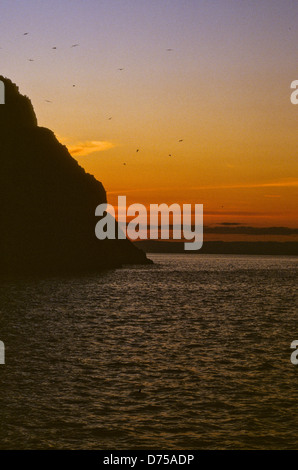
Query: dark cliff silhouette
<point>47,201</point>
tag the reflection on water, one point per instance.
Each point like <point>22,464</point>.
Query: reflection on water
<point>206,340</point>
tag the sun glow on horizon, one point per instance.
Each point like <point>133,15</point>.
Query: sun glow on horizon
<point>168,101</point>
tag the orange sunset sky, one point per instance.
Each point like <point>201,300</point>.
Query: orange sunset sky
<point>223,88</point>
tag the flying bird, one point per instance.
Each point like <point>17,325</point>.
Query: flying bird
<point>181,140</point>
<point>25,34</point>
<point>54,47</point>
<point>48,101</point>
<point>137,150</point>
<point>169,50</point>
<point>31,60</point>
<point>120,69</point>
<point>75,45</point>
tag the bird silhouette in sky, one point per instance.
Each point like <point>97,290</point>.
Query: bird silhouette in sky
<point>120,69</point>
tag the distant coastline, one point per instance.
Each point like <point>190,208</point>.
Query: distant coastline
<point>220,247</point>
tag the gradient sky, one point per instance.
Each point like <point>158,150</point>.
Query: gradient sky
<point>224,88</point>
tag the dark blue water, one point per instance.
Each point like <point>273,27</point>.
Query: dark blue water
<point>205,338</point>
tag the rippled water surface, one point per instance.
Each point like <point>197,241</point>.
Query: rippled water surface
<point>190,353</point>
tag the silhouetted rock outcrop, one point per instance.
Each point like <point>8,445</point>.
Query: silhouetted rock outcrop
<point>47,203</point>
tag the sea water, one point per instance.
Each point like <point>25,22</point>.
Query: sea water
<point>192,352</point>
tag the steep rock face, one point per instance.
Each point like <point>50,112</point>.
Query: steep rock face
<point>47,201</point>
<point>18,110</point>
